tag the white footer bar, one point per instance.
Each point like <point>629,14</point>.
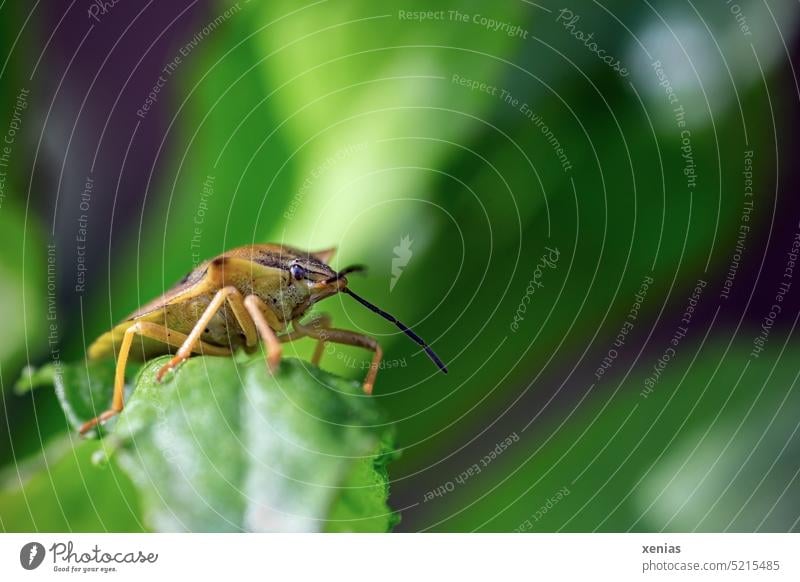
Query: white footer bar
<point>380,558</point>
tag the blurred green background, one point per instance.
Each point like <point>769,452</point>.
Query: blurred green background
<point>587,209</point>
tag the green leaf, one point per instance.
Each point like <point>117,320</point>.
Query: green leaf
<point>223,445</point>
<point>22,277</point>
<point>32,377</point>
<point>84,389</point>
<point>25,260</point>
<point>59,489</point>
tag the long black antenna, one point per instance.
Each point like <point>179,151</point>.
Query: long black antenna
<point>402,326</point>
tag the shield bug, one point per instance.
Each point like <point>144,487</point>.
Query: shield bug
<point>233,300</point>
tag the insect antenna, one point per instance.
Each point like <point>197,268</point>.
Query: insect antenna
<point>403,327</point>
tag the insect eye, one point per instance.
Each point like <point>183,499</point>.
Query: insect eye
<point>297,272</point>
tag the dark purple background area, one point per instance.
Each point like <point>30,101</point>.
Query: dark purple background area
<point>95,77</point>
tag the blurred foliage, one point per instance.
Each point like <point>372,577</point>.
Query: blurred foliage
<point>28,300</point>
<point>703,452</point>
<point>22,275</point>
<point>62,490</point>
<point>23,264</point>
<point>342,123</point>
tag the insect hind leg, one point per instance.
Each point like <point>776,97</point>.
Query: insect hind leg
<point>324,333</point>
<point>322,321</point>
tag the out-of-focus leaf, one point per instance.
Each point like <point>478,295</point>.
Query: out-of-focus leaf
<point>738,474</point>
<point>225,446</point>
<point>61,490</point>
<point>32,377</point>
<point>615,229</point>
<point>27,308</point>
<point>696,453</point>
<point>24,302</point>
<point>371,97</point>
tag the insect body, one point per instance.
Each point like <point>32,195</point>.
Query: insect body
<point>246,294</point>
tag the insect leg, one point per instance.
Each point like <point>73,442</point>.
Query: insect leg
<point>154,331</point>
<point>349,338</point>
<point>232,295</point>
<point>256,307</point>
<point>236,301</point>
<point>322,321</point>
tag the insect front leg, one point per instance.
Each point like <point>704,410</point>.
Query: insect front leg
<point>156,332</point>
<point>256,307</point>
<point>349,338</point>
<point>234,298</point>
